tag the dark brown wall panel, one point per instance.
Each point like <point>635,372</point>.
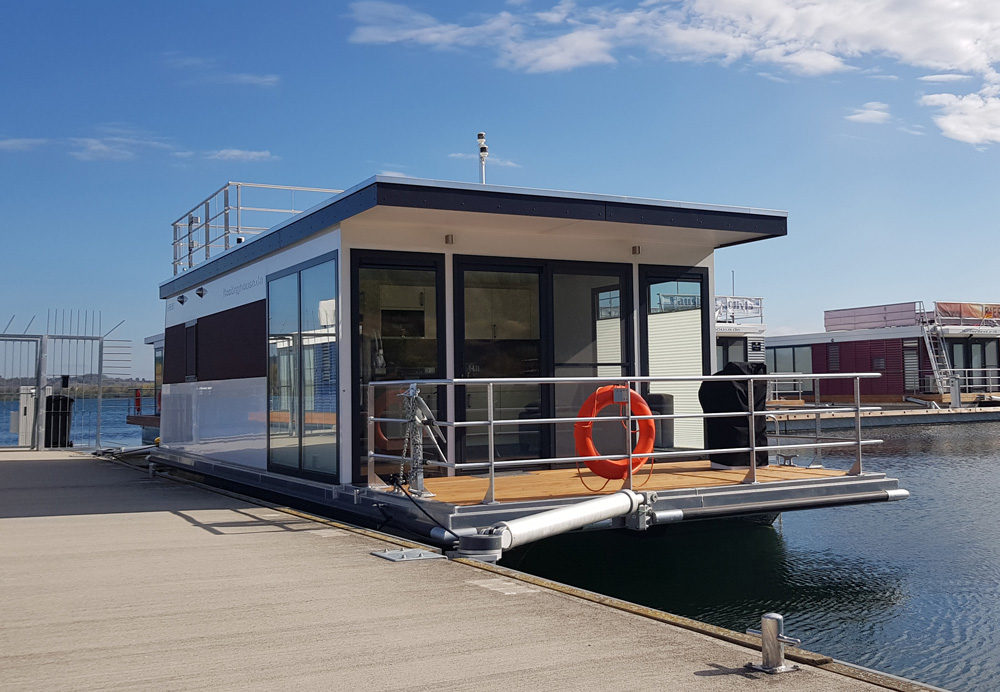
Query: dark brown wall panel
<point>233,344</point>
<point>174,354</point>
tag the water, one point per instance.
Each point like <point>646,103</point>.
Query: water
<point>115,432</point>
<point>910,588</point>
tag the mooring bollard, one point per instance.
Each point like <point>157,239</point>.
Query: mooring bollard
<point>773,640</point>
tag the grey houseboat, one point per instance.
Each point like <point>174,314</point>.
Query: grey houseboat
<point>427,351</point>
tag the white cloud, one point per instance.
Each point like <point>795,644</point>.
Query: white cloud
<point>94,149</point>
<point>973,118</point>
<point>395,174</point>
<point>804,37</point>
<point>773,77</point>
<point>115,142</point>
<point>208,71</point>
<point>558,14</point>
<point>242,155</point>
<point>912,130</point>
<point>260,80</point>
<point>940,78</point>
<point>872,112</point>
<point>21,143</point>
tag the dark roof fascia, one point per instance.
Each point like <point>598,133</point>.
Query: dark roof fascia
<point>486,199</point>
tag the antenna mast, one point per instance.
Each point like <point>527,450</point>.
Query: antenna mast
<point>484,151</point>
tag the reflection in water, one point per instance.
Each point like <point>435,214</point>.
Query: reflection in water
<point>910,588</point>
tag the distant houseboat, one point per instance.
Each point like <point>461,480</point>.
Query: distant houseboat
<point>924,354</point>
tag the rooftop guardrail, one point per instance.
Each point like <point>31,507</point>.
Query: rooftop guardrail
<point>235,211</point>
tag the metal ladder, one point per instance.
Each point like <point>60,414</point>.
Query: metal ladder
<point>937,350</point>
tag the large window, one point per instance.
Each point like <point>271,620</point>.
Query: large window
<point>302,369</point>
<point>793,359</point>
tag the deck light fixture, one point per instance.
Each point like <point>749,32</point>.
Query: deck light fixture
<point>181,299</point>
<point>200,292</point>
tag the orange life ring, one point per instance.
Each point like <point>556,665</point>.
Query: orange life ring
<point>613,469</point>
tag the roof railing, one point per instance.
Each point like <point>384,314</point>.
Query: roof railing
<point>225,218</point>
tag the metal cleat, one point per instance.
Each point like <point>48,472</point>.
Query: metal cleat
<point>773,640</point>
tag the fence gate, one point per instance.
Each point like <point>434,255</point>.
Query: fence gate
<point>18,382</point>
<point>51,385</point>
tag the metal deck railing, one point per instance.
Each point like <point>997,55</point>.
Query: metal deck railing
<point>447,391</point>
<point>225,218</point>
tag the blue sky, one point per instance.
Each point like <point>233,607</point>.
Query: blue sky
<point>874,123</point>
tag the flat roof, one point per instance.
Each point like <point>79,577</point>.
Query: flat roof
<point>716,225</point>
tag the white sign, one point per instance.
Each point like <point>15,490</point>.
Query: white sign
<point>730,308</point>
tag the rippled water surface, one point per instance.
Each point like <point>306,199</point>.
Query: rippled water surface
<point>910,588</point>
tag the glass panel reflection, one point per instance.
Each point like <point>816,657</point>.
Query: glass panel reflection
<point>319,367</point>
<point>399,341</point>
<point>283,371</point>
<point>502,340</point>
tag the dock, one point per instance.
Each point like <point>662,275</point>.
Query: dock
<point>116,580</point>
<point>887,415</point>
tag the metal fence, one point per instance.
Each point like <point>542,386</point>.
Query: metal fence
<point>51,384</point>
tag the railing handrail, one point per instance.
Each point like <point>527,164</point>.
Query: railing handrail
<point>465,381</point>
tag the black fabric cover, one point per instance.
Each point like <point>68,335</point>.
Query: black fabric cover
<point>723,396</point>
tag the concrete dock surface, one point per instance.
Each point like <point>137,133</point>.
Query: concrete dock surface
<point>113,580</point>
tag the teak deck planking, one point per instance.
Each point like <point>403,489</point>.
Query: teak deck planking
<point>559,483</point>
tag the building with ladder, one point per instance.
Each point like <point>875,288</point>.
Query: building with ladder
<point>949,354</point>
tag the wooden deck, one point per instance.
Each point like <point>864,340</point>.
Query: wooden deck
<point>558,483</point>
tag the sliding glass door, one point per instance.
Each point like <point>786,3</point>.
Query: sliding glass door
<point>302,369</point>
<point>523,318</point>
<point>399,313</point>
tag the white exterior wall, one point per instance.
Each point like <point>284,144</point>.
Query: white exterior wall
<point>226,420</point>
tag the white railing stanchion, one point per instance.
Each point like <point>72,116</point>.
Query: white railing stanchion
<point>628,430</point>
<point>857,469</point>
<point>373,480</point>
<point>752,418</point>
<point>490,498</point>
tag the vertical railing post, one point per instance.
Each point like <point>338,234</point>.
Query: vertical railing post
<point>628,429</point>
<point>208,230</point>
<point>100,389</point>
<point>373,480</point>
<point>225,215</point>
<point>751,395</point>
<point>490,498</point>
<point>857,469</point>
<point>42,381</point>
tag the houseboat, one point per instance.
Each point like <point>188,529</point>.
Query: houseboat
<point>948,354</point>
<point>480,365</point>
